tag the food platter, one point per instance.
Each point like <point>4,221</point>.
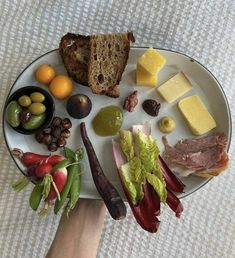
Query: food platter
<point>205,86</point>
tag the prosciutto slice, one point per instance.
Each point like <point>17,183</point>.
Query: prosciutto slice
<point>206,156</point>
<point>203,143</point>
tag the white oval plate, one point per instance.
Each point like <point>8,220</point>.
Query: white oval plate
<point>204,84</point>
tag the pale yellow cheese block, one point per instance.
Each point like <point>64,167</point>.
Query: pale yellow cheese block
<point>196,115</point>
<point>174,88</point>
<point>143,78</point>
<point>152,61</point>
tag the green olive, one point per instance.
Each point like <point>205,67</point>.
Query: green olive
<point>24,101</point>
<point>13,112</point>
<point>35,122</point>
<point>37,97</point>
<point>166,124</point>
<point>37,108</point>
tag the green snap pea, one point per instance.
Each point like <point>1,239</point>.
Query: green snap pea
<point>35,197</point>
<point>74,190</point>
<point>35,122</point>
<point>72,170</point>
<point>13,111</point>
<point>63,163</point>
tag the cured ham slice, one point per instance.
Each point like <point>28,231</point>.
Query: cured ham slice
<point>206,156</point>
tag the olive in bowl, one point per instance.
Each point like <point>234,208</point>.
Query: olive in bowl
<point>29,110</point>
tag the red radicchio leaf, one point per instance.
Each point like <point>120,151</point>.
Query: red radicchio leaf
<point>172,181</point>
<point>174,203</point>
<point>145,212</point>
<point>149,207</point>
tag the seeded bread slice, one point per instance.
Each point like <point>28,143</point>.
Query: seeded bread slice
<point>107,60</point>
<point>74,51</point>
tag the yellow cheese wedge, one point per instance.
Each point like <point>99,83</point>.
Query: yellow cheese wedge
<point>196,115</point>
<point>152,61</point>
<point>143,78</point>
<point>174,88</point>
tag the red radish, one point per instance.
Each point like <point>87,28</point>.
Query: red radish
<point>30,158</point>
<point>31,171</point>
<point>43,169</point>
<point>54,159</point>
<point>59,178</point>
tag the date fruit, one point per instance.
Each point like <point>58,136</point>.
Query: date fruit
<point>151,107</point>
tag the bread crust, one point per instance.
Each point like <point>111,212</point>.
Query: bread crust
<point>77,53</point>
<point>74,51</point>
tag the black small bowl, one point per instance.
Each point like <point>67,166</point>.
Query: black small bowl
<point>48,102</point>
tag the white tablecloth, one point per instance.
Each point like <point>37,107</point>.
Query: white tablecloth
<point>202,29</point>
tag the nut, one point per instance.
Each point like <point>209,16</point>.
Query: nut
<point>151,107</point>
<point>61,142</point>
<point>47,138</point>
<point>66,123</point>
<point>56,121</point>
<point>47,130</point>
<point>39,137</point>
<point>131,101</point>
<point>65,133</point>
<point>54,139</point>
<point>52,147</point>
<point>55,131</point>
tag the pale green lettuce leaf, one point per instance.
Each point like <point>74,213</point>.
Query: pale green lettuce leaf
<point>148,154</point>
<point>127,143</point>
<point>125,175</point>
<point>142,167</point>
<point>147,150</point>
<point>134,179</point>
<point>158,186</point>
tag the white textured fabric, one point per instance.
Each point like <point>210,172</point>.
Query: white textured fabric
<point>202,29</point>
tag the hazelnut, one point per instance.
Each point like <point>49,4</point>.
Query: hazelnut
<point>66,123</point>
<point>39,137</point>
<point>61,142</point>
<point>54,139</point>
<point>55,131</point>
<point>65,133</point>
<point>56,121</point>
<point>52,147</point>
<point>47,138</point>
<point>47,130</point>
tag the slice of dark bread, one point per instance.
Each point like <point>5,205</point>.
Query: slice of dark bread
<point>108,57</point>
<point>74,51</point>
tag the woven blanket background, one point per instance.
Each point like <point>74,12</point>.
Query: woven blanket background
<point>202,29</point>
